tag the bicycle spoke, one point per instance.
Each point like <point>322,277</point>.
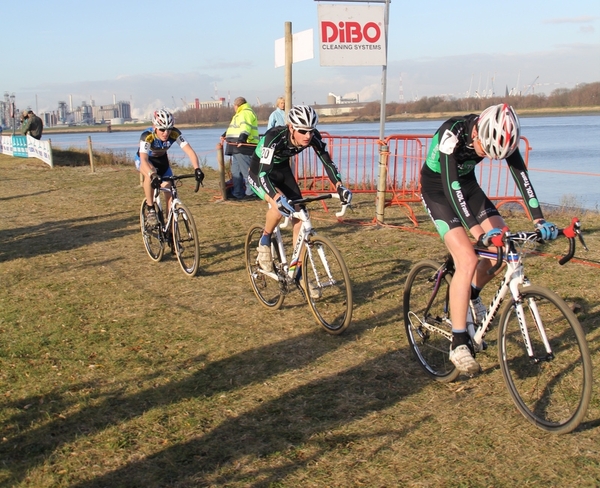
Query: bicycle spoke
<point>267,289</point>
<point>551,389</point>
<point>327,285</point>
<point>428,329</point>
<point>185,240</point>
<point>151,234</point>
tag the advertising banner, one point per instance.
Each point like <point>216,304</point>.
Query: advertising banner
<point>7,145</point>
<point>40,150</point>
<point>19,146</point>
<point>27,147</point>
<point>352,35</point>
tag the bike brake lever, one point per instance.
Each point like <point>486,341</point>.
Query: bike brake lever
<point>343,210</point>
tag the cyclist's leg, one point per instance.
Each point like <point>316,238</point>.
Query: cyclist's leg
<point>458,243</point>
<point>167,172</point>
<point>144,168</point>
<point>489,219</point>
<point>290,189</point>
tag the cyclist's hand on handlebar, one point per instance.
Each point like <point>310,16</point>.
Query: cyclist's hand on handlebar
<point>284,206</point>
<point>199,175</point>
<point>548,231</point>
<point>345,195</point>
<point>487,239</point>
<point>155,181</point>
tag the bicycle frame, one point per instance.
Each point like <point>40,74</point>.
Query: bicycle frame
<point>514,277</point>
<point>174,200</point>
<point>306,229</point>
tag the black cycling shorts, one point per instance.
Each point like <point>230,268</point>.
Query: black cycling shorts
<point>440,210</point>
<point>282,178</point>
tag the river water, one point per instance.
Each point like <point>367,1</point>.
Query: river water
<point>564,162</point>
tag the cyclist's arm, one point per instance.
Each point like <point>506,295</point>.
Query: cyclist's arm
<point>521,176</point>
<point>191,154</point>
<point>330,168</point>
<point>146,167</point>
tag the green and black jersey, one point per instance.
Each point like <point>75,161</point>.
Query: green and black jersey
<point>451,160</point>
<point>275,149</point>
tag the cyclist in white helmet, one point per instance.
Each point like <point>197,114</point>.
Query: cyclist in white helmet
<point>456,203</point>
<point>271,176</point>
<point>151,158</point>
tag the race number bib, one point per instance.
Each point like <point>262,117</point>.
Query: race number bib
<point>448,142</point>
<point>266,155</point>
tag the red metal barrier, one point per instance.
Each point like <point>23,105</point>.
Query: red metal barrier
<point>357,158</point>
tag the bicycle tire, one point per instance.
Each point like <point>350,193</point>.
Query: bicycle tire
<point>267,290</point>
<point>553,393</point>
<point>324,270</point>
<point>429,336</point>
<point>153,237</point>
<point>185,240</point>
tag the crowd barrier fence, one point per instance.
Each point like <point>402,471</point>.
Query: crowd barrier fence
<point>358,160</point>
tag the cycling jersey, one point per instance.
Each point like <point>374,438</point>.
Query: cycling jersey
<point>450,165</point>
<point>272,156</point>
<point>156,149</point>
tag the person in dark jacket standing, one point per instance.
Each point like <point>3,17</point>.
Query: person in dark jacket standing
<point>32,124</point>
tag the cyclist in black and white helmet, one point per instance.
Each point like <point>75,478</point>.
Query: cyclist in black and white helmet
<point>151,158</point>
<point>456,203</point>
<point>272,178</point>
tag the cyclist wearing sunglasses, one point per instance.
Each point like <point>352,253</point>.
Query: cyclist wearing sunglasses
<point>151,158</point>
<point>271,176</point>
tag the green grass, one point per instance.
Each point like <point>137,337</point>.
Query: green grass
<point>116,371</point>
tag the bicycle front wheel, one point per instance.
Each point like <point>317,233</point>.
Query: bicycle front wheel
<point>552,390</point>
<point>153,237</point>
<point>327,285</point>
<point>185,240</point>
<point>427,320</point>
<point>267,289</point>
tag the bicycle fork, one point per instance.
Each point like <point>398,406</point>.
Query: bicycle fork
<point>536,317</point>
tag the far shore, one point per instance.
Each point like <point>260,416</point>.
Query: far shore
<point>339,119</point>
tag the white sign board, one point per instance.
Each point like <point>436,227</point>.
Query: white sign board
<point>302,48</point>
<point>352,35</point>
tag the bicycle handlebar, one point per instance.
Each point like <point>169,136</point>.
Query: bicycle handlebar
<point>502,241</point>
<point>173,179</point>
<point>316,198</point>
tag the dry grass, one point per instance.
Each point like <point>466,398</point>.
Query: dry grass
<point>115,371</point>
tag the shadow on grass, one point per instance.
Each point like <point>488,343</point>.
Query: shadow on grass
<point>302,418</point>
<point>295,417</point>
<point>63,235</point>
<point>16,197</point>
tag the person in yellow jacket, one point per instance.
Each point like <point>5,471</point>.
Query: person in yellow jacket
<point>241,138</point>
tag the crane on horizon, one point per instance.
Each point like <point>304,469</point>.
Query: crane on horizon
<point>531,86</point>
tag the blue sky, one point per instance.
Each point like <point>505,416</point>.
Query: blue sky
<point>157,54</point>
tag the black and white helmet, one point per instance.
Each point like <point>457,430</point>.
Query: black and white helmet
<point>499,131</point>
<point>303,117</point>
<point>163,119</point>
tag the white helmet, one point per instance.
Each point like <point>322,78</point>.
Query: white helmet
<point>499,131</point>
<point>162,119</point>
<point>303,117</point>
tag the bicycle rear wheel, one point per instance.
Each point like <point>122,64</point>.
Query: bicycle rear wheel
<point>327,285</point>
<point>154,241</point>
<point>427,325</point>
<point>185,240</point>
<point>551,391</point>
<point>267,290</point>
